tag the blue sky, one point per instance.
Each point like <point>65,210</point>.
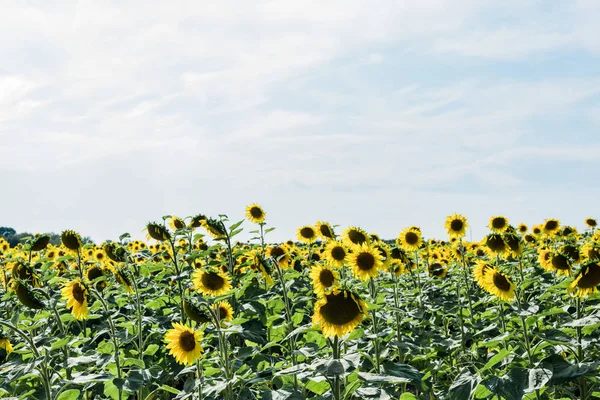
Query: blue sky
<point>380,114</point>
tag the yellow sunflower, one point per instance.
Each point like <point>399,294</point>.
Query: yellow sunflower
<point>184,343</point>
<point>71,240</point>
<point>551,226</point>
<point>306,234</point>
<point>354,235</point>
<point>255,213</point>
<point>176,223</point>
<point>537,230</point>
<point>591,251</point>
<point>324,230</point>
<point>409,239</point>
<point>365,261</point>
<point>498,285</point>
<point>223,310</point>
<point>495,244</point>
<point>5,343</point>
<point>323,278</point>
<point>384,253</point>
<point>522,228</point>
<point>545,258</point>
<point>211,283</point>
<point>586,281</point>
<point>280,254</point>
<point>480,270</point>
<point>75,293</point>
<point>438,270</point>
<point>498,224</point>
<point>339,313</point>
<point>456,225</point>
<point>514,243</point>
<point>336,253</point>
<point>591,222</point>
<point>560,263</point>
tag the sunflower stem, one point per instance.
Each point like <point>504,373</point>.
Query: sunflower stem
<point>460,317</point>
<point>582,383</point>
<point>527,341</point>
<point>199,374</point>
<point>373,292</point>
<point>336,379</point>
<point>397,314</point>
<point>113,335</point>
<point>178,277</point>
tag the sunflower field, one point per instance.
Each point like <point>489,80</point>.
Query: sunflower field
<point>333,313</point>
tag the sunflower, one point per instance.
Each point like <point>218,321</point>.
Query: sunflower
<point>591,222</point>
<point>587,280</point>
<point>323,278</point>
<point>591,251</point>
<point>551,226</point>
<point>568,231</point>
<point>306,234</point>
<point>438,270</point>
<point>522,228</point>
<point>5,343</point>
<point>99,255</point>
<point>339,313</point>
<point>214,227</point>
<point>514,243</point>
<point>40,242</point>
<point>71,240</point>
<point>75,293</point>
<point>409,239</point>
<point>197,221</point>
<point>336,253</point>
<point>194,313</point>
<point>498,285</point>
<point>184,343</point>
<point>529,238</point>
<point>498,224</point>
<point>123,278</point>
<point>495,244</point>
<point>95,273</point>
<point>223,311</point>
<point>384,253</point>
<point>365,261</point>
<point>255,213</point>
<point>480,270</point>
<point>354,235</point>
<point>545,258</point>
<point>211,283</point>
<point>456,225</point>
<point>280,254</point>
<point>176,223</point>
<point>537,229</point>
<point>571,251</point>
<point>157,232</point>
<point>324,230</point>
<point>560,263</point>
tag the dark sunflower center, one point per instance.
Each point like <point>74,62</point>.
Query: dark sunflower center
<point>456,225</point>
<point>499,223</point>
<point>187,341</point>
<point>495,243</point>
<point>590,277</point>
<point>591,222</point>
<point>593,253</point>
<point>99,256</point>
<point>356,237</point>
<point>436,269</point>
<point>567,231</point>
<point>70,240</point>
<point>501,282</point>
<point>338,253</point>
<point>560,262</point>
<point>551,225</point>
<point>223,313</point>
<point>537,231</point>
<point>94,273</point>
<point>365,261</point>
<point>326,278</point>
<point>339,309</point>
<point>522,229</point>
<point>325,231</point>
<point>572,252</point>
<point>256,212</point>
<point>78,293</point>
<point>480,253</point>
<point>277,252</point>
<point>315,257</point>
<point>529,238</point>
<point>178,224</point>
<point>212,280</point>
<point>411,238</point>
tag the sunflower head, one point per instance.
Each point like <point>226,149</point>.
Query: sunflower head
<point>499,285</point>
<point>339,313</point>
<point>587,280</point>
<point>194,313</point>
<point>324,230</point>
<point>591,222</point>
<point>514,243</point>
<point>365,261</point>
<point>498,224</point>
<point>40,242</point>
<point>480,270</point>
<point>76,293</point>
<point>210,282</point>
<point>560,263</point>
<point>456,225</point>
<point>353,235</point>
<point>158,232</point>
<point>176,223</point>
<point>323,278</point>
<point>71,240</point>
<point>184,343</point>
<point>409,239</point>
<point>522,228</point>
<point>255,213</point>
<point>551,226</point>
<point>214,227</point>
<point>223,311</point>
<point>197,220</point>
<point>438,270</point>
<point>335,253</point>
<point>537,229</point>
<point>5,343</point>
<point>306,234</point>
<point>495,243</point>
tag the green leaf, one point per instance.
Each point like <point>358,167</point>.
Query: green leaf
<point>408,396</point>
<point>497,358</point>
<point>379,378</point>
<point>317,385</point>
<point>60,343</point>
<point>71,394</point>
<point>463,386</point>
<point>169,389</point>
<point>538,377</point>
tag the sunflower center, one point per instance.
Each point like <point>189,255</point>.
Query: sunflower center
<point>223,313</point>
<point>365,261</point>
<point>356,237</point>
<point>436,269</point>
<point>78,292</point>
<point>560,262</point>
<point>498,223</point>
<point>94,273</point>
<point>187,341</point>
<point>212,280</point>
<point>339,309</point>
<point>307,232</point>
<point>591,222</point>
<point>456,225</point>
<point>495,243</point>
<point>522,229</point>
<point>277,252</point>
<point>411,238</point>
<point>537,231</point>
<point>338,253</point>
<point>590,277</point>
<point>501,282</point>
<point>325,231</point>
<point>326,278</point>
<point>551,225</point>
<point>256,212</point>
<point>593,253</point>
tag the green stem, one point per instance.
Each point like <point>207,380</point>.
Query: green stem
<point>336,379</point>
<point>582,383</point>
<point>373,292</point>
<point>113,335</point>
<point>398,318</point>
<point>178,277</point>
<point>527,341</point>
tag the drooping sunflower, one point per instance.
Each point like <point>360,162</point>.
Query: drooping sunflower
<point>551,226</point>
<point>123,278</point>
<point>336,253</point>
<point>438,270</point>
<point>339,313</point>
<point>157,232</point>
<point>498,224</point>
<point>323,278</point>
<point>184,343</point>
<point>306,234</point>
<point>365,261</point>
<point>255,213</point>
<point>409,239</point>
<point>224,311</point>
<point>197,220</point>
<point>567,231</point>
<point>353,235</point>
<point>499,285</point>
<point>587,280</point>
<point>71,240</point>
<point>176,223</point>
<point>514,243</point>
<point>456,225</point>
<point>324,230</point>
<point>211,283</point>
<point>75,293</point>
<point>194,312</point>
<point>560,263</point>
<point>214,227</point>
<point>591,251</point>
<point>591,222</point>
<point>40,242</point>
<point>280,254</point>
<point>522,228</point>
<point>495,244</point>
<point>571,251</point>
<point>96,272</point>
<point>5,343</point>
<point>480,269</point>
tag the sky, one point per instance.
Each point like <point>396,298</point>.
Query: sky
<point>378,114</point>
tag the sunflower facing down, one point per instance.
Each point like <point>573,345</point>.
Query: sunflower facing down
<point>495,244</point>
<point>354,235</point>
<point>323,278</point>
<point>456,225</point>
<point>336,253</point>
<point>223,311</point>
<point>75,293</point>
<point>438,270</point>
<point>184,343</point>
<point>324,230</point>
<point>409,239</point>
<point>591,222</point>
<point>211,283</point>
<point>339,313</point>
<point>560,263</point>
<point>255,213</point>
<point>586,281</point>
<point>498,285</point>
<point>365,261</point>
<point>71,240</point>
<point>176,223</point>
